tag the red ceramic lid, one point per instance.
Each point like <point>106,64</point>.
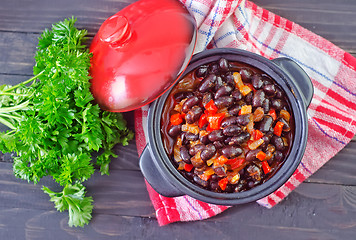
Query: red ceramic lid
<point>139,52</point>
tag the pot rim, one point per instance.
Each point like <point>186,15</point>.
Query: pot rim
<point>168,170</point>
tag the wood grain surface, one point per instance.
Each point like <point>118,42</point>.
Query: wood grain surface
<point>323,207</point>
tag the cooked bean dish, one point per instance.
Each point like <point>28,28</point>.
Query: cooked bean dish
<point>227,126</point>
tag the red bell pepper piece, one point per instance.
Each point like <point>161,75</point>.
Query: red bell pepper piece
<point>235,163</point>
<point>258,134</point>
<point>221,160</point>
<point>188,167</point>
<point>266,168</point>
<point>203,120</point>
<point>261,155</point>
<point>278,128</point>
<point>215,120</point>
<point>208,128</point>
<point>273,114</point>
<point>210,107</point>
<point>207,174</point>
<point>223,183</point>
<point>176,119</point>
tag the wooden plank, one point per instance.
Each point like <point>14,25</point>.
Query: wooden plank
<point>17,55</point>
<point>313,211</point>
<point>35,15</point>
<point>340,169</point>
<point>123,192</point>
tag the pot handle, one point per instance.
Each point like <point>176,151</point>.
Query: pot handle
<point>157,181</point>
<point>298,76</point>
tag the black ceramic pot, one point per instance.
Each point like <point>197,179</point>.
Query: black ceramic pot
<point>162,175</point>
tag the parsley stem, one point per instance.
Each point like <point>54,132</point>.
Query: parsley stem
<point>14,108</point>
<point>25,82</point>
<point>7,123</point>
<point>10,116</point>
<point>13,94</point>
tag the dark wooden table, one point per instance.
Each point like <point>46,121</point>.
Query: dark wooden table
<point>323,207</point>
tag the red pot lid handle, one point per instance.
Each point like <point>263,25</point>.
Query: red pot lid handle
<point>140,52</point>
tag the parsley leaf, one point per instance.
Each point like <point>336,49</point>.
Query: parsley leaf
<point>73,199</point>
<point>55,126</point>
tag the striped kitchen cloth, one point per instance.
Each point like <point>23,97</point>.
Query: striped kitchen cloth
<point>331,114</point>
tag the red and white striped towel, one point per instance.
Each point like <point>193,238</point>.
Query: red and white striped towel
<point>331,114</point>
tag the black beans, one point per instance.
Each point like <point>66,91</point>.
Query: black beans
<point>277,142</point>
<point>216,135</point>
<point>204,139</point>
<point>213,134</point>
<point>207,83</point>
<point>196,148</point>
<point>208,152</point>
<point>232,130</point>
<point>223,65</point>
<point>258,98</point>
<point>223,91</point>
<point>183,136</point>
<point>227,140</point>
<point>191,136</point>
<point>214,185</point>
<point>207,97</point>
<point>246,75</point>
<point>174,130</point>
<point>228,78</point>
<point>228,121</point>
<point>218,83</point>
<point>251,155</point>
<point>237,95</point>
<point>256,81</point>
<point>277,104</point>
<point>214,68</point>
<point>225,101</point>
<point>218,144</point>
<point>184,154</point>
<point>181,95</point>
<point>266,139</point>
<point>270,89</point>
<point>240,139</point>
<point>249,97</point>
<point>234,110</point>
<point>194,114</point>
<point>243,120</point>
<point>189,103</point>
<point>202,71</point>
<point>266,124</point>
<point>220,171</point>
<point>231,151</point>
<point>278,156</point>
<point>279,93</point>
<point>266,80</point>
<point>265,105</point>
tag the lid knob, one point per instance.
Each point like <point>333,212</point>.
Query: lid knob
<point>116,31</point>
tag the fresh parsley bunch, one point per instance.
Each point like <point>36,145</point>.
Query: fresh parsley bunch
<point>54,124</point>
